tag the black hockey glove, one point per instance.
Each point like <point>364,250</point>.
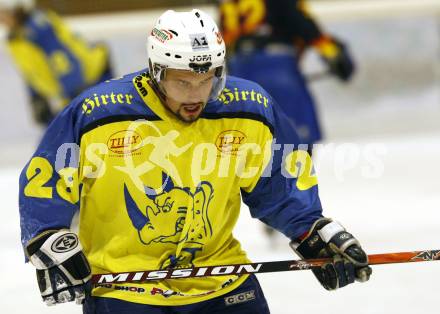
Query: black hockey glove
<point>337,57</point>
<point>41,110</point>
<point>62,269</point>
<point>328,238</point>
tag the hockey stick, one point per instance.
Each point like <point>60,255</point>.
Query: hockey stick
<point>253,268</point>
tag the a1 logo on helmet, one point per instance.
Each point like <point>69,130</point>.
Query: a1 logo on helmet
<point>199,42</point>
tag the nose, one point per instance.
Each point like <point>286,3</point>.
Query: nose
<point>195,95</point>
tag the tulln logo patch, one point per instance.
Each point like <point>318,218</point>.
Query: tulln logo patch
<point>229,141</point>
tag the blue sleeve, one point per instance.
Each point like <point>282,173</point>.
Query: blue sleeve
<point>48,185</point>
<point>286,195</point>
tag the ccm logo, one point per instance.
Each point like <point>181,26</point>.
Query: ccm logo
<point>202,58</point>
<point>240,298</point>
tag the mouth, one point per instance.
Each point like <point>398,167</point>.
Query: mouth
<point>192,109</point>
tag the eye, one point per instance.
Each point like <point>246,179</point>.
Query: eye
<point>207,81</point>
<point>183,83</point>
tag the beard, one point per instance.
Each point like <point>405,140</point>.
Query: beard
<point>190,112</point>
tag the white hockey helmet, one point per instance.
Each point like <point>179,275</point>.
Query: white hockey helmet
<point>12,4</point>
<point>187,41</point>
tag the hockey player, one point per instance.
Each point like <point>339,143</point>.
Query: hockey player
<point>268,39</point>
<point>55,64</point>
<point>156,165</point>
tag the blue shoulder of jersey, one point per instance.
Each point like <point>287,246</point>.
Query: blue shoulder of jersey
<point>245,99</point>
<point>248,99</point>
<point>112,100</point>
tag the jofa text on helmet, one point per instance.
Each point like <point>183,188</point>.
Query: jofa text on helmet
<point>201,58</point>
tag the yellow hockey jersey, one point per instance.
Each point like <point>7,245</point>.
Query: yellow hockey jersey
<point>155,192</point>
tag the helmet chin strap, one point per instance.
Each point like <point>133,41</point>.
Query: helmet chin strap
<point>160,92</point>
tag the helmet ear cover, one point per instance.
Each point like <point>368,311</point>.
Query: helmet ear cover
<point>156,71</point>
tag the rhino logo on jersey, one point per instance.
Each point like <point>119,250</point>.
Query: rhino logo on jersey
<point>175,215</point>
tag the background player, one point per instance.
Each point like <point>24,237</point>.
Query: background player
<point>266,40</point>
<point>55,64</point>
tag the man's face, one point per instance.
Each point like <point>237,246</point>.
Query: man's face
<point>187,92</point>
